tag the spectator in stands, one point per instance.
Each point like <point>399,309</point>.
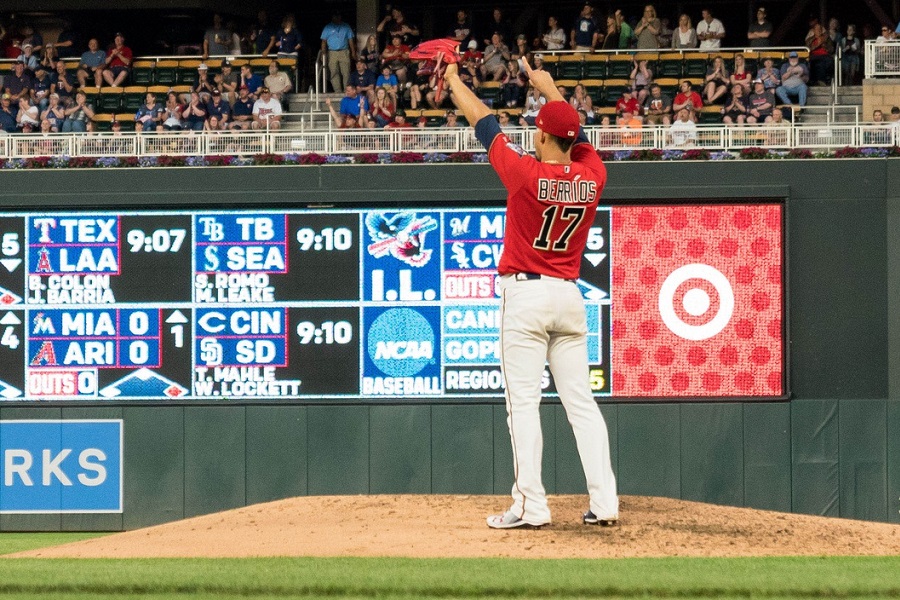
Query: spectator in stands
<point>851,48</point>
<point>611,38</point>
<point>382,108</point>
<point>93,61</point>
<point>399,121</point>
<point>641,77</point>
<point>834,32</point>
<point>279,82</point>
<point>202,84</point>
<point>879,132</point>
<point>585,35</point>
<point>396,58</point>
<point>821,56</point>
<point>54,114</point>
<point>794,76</point>
<point>18,84</point>
<point>148,117</point>
<point>495,56</point>
<point>67,42</point>
<point>718,79</point>
<point>194,113</point>
<point>685,36</point>
<point>461,30</point>
<point>581,101</point>
<point>349,120</point>
<point>118,62</point>
<point>770,76</point>
<point>339,48</point>
<point>630,129</point>
<point>760,30</point>
<point>895,118</point>
<point>512,90</point>
<point>227,82</point>
<point>267,111</point>
<point>657,107</point>
<point>710,31</point>
<point>288,40</point>
<point>761,103</point>
<point>451,121</point>
<point>627,103</point>
<point>409,33</point>
<point>522,50</point>
<point>242,109</point>
<point>390,83</point>
<point>362,79</point>
<point>470,75</point>
<point>351,101</point>
<point>555,36</point>
<point>40,88</point>
<point>49,58</point>
<point>432,95</point>
<point>533,103</point>
<point>29,59</point>
<point>736,108</point>
<point>504,119</point>
<point>216,39</point>
<point>421,85</point>
<point>683,132</point>
<point>647,30</point>
<point>32,37</point>
<point>371,55</point>
<point>262,36</point>
<point>79,114</point>
<point>251,80</point>
<point>7,114</point>
<point>219,109</point>
<point>626,33</point>
<point>665,33</point>
<point>63,83</point>
<point>499,24</point>
<point>472,53</point>
<point>688,99</point>
<point>29,117</point>
<point>740,76</point>
<point>171,114</point>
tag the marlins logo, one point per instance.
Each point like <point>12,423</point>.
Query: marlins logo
<point>402,235</point>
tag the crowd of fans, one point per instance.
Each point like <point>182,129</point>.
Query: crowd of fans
<point>380,82</point>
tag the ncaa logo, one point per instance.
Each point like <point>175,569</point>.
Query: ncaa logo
<point>401,342</point>
<point>696,301</point>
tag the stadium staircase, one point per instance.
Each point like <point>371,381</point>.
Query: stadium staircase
<point>819,98</point>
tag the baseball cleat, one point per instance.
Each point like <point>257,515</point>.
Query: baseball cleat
<point>510,521</point>
<point>590,518</point>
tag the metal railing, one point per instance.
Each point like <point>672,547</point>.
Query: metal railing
<point>882,58</point>
<point>438,140</point>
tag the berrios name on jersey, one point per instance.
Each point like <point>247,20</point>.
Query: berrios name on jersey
<point>576,191</point>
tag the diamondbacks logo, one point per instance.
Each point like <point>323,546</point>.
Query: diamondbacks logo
<point>401,235</point>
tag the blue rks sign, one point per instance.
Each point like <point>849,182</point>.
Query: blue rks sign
<point>61,466</point>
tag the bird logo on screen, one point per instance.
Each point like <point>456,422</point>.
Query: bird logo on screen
<point>401,235</point>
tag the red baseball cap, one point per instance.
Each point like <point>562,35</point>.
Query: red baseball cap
<point>560,119</point>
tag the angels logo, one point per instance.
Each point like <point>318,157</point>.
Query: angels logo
<point>402,236</point>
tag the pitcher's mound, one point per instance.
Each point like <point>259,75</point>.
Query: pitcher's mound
<point>454,526</point>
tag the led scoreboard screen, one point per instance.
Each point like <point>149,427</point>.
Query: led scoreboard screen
<point>683,301</point>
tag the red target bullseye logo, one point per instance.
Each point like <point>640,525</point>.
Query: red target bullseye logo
<point>676,299</point>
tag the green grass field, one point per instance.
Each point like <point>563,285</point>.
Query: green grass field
<point>351,578</point>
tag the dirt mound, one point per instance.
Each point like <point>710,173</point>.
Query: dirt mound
<point>454,526</point>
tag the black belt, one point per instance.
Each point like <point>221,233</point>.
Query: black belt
<point>533,276</point>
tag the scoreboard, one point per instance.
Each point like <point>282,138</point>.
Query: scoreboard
<point>683,301</point>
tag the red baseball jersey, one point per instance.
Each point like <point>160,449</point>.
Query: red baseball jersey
<point>550,208</point>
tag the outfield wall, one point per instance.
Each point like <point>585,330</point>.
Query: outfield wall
<point>833,449</point>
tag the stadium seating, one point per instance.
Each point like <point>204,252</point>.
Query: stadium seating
<point>594,89</point>
<point>613,89</point>
<point>595,66</point>
<point>110,99</point>
<point>619,66</point>
<point>165,71</point>
<point>489,91</point>
<point>570,66</point>
<point>133,97</point>
<point>670,64</point>
<point>142,72</point>
<point>695,64</point>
